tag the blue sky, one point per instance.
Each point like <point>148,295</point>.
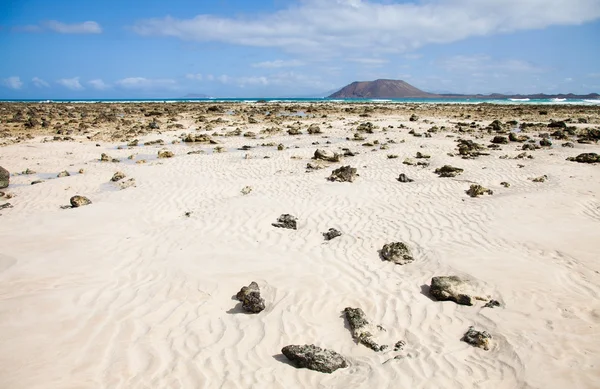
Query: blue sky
<point>244,48</point>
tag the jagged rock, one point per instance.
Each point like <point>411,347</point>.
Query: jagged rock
<point>64,173</point>
<point>127,183</point>
<point>505,184</point>
<point>585,158</point>
<point>343,174</point>
<point>450,288</point>
<point>496,125</point>
<point>286,221</point>
<point>250,298</point>
<point>6,205</point>
<point>332,233</point>
<point>545,142</point>
<point>106,158</point>
<point>492,304</point>
<point>499,139</point>
<point>165,154</point>
<point>133,143</point>
<point>199,138</point>
<point>399,345</point>
<point>403,178</point>
<point>540,178</point>
<point>448,171</point>
<point>326,155</point>
<point>314,358</point>
<point>117,176</point>
<point>361,328</point>
<point>246,190</point>
<point>79,201</point>
<point>4,178</point>
<point>154,142</point>
<point>476,338</point>
<point>396,252</point>
<point>314,129</point>
<point>365,127</point>
<point>478,190</point>
<point>470,149</point>
<point>313,166</point>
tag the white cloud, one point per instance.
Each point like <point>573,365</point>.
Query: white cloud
<point>12,82</point>
<point>278,63</point>
<point>146,83</point>
<point>480,62</point>
<point>71,83</point>
<point>99,84</point>
<point>332,26</point>
<point>88,27</point>
<point>39,83</point>
<point>197,77</point>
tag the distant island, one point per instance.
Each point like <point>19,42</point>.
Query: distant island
<point>398,89</point>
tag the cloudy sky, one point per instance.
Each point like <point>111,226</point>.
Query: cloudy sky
<point>249,48</point>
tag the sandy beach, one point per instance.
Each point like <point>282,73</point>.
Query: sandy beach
<point>137,289</point>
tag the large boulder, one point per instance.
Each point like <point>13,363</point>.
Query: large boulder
<point>396,252</point>
<point>585,158</point>
<point>451,288</point>
<point>362,330</point>
<point>314,358</point>
<point>343,174</point>
<point>4,178</point>
<point>250,298</point>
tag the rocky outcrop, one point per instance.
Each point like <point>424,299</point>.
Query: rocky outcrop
<point>362,330</point>
<point>326,155</point>
<point>4,178</point>
<point>585,158</point>
<point>450,288</point>
<point>314,358</point>
<point>448,171</point>
<point>476,338</point>
<point>250,298</point>
<point>286,221</point>
<point>331,234</point>
<point>79,201</point>
<point>343,174</point>
<point>199,138</point>
<point>396,252</point>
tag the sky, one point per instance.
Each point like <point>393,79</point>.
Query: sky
<point>67,49</point>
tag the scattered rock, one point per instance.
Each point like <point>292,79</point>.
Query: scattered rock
<point>314,358</point>
<point>568,144</point>
<point>450,288</point>
<point>79,201</point>
<point>4,178</point>
<point>36,182</point>
<point>448,171</point>
<point>366,127</point>
<point>326,155</point>
<point>133,143</point>
<point>313,166</point>
<point>513,137</point>
<point>559,124</point>
<point>505,184</point>
<point>250,298</point>
<point>492,304</point>
<point>545,142</point>
<point>392,156</point>
<point>478,190</point>
<point>332,233</point>
<point>421,155</point>
<point>476,338</point>
<point>106,158</point>
<point>399,346</point>
<point>540,178</point>
<point>314,129</point>
<point>403,178</point>
<point>361,328</point>
<point>127,183</point>
<point>343,174</point>
<point>246,190</point>
<point>6,205</point>
<point>396,252</point>
<point>165,154</point>
<point>499,139</point>
<point>413,118</point>
<point>469,149</point>
<point>409,161</point>
<point>117,176</point>
<point>28,171</point>
<point>286,221</point>
<point>585,158</point>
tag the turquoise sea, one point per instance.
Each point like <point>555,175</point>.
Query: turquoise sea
<point>327,100</point>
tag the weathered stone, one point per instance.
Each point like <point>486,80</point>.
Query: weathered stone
<point>314,129</point>
<point>413,118</point>
<point>246,190</point>
<point>568,144</point>
<point>79,201</point>
<point>540,178</point>
<point>199,138</point>
<point>396,252</point>
<point>469,149</point>
<point>585,158</point>
<point>492,304</point>
<point>409,161</point>
<point>496,125</point>
<point>545,142</point>
<point>165,154</point>
<point>106,158</point>
<point>513,137</point>
<point>505,184</point>
<point>343,174</point>
<point>559,124</point>
<point>250,298</point>
<point>421,155</point>
<point>365,127</point>
<point>476,338</point>
<point>314,358</point>
<point>326,155</point>
<point>499,139</point>
<point>448,171</point>
<point>403,178</point>
<point>286,221</point>
<point>332,233</point>
<point>4,178</point>
<point>361,328</point>
<point>450,288</point>
<point>478,190</point>
<point>117,176</point>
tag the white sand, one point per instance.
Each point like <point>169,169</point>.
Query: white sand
<point>129,293</point>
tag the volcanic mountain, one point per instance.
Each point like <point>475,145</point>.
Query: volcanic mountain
<point>384,89</point>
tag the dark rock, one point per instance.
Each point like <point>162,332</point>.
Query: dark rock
<point>513,137</point>
<point>478,190</point>
<point>585,158</point>
<point>165,154</point>
<point>365,127</point>
<point>399,346</point>
<point>403,178</point>
<point>396,252</point>
<point>505,184</point>
<point>332,233</point>
<point>545,142</point>
<point>529,146</point>
<point>286,221</point>
<point>198,138</point>
<point>568,144</point>
<point>36,182</point>
<point>326,155</point>
<point>492,304</point>
<point>4,178</point>
<point>496,125</point>
<point>448,171</point>
<point>314,358</point>
<point>314,129</point>
<point>361,328</point>
<point>421,155</point>
<point>470,149</point>
<point>79,201</point>
<point>106,158</point>
<point>560,124</point>
<point>450,288</point>
<point>476,338</point>
<point>499,139</point>
<point>250,298</point>
<point>413,118</point>
<point>343,174</point>
<point>6,205</point>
